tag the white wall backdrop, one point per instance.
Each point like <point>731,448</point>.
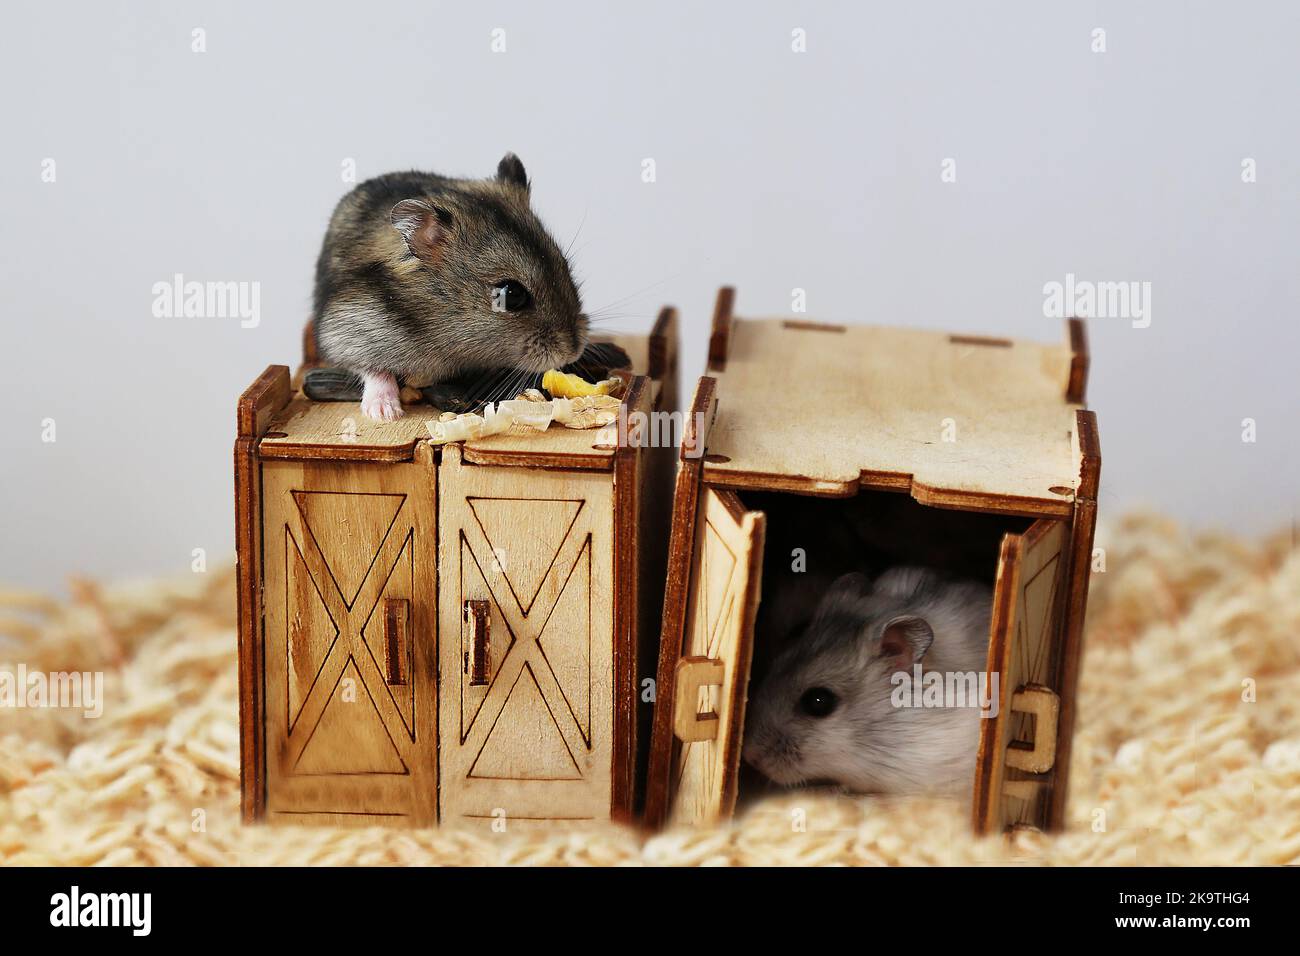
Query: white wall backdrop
<point>776,170</point>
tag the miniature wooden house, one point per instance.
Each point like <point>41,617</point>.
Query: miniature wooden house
<point>444,634</point>
<point>966,453</point>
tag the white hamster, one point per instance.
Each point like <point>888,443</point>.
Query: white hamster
<point>824,711</point>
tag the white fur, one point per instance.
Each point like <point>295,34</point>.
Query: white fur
<point>866,743</point>
<point>380,397</point>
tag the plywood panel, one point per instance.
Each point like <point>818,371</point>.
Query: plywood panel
<point>676,596</point>
<point>260,402</point>
<point>340,539</point>
<point>534,744</point>
<point>1023,648</point>
<point>722,602</point>
<point>960,421</point>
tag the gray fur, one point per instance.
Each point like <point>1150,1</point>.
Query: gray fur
<point>384,303</point>
<point>867,744</point>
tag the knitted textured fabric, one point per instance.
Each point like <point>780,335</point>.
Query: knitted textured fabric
<point>1187,747</point>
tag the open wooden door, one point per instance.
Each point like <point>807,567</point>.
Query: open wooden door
<point>710,679</point>
<point>1015,770</point>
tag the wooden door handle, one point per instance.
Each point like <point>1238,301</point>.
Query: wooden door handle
<point>478,616</point>
<point>1046,707</point>
<point>397,624</point>
<point>694,673</point>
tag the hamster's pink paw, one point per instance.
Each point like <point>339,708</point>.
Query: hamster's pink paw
<point>380,398</point>
<point>382,409</point>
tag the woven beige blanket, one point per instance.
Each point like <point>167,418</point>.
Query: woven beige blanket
<point>1187,747</point>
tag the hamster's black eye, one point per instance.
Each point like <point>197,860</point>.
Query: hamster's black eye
<point>510,296</point>
<point>818,701</point>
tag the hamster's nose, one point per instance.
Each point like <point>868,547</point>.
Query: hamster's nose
<point>576,348</point>
<point>581,331</point>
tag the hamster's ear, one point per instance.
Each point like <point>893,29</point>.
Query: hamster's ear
<point>905,640</point>
<point>424,226</point>
<point>511,172</point>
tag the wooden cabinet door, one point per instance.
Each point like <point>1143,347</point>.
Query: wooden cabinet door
<point>350,596</point>
<point>526,696</point>
<point>1017,752</point>
<point>712,677</point>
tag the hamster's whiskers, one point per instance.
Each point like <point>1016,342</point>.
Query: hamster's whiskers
<point>569,247</point>
<point>633,295</point>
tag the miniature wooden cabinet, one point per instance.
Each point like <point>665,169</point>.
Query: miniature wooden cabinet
<point>444,634</point>
<point>974,453</point>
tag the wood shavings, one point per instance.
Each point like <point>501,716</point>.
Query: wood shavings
<point>456,428</point>
<point>87,593</point>
<point>590,411</point>
<point>531,411</point>
<point>21,600</point>
<point>1205,778</point>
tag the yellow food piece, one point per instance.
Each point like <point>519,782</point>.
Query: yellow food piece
<point>566,385</point>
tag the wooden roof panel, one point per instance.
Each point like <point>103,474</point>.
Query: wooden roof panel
<point>960,421</point>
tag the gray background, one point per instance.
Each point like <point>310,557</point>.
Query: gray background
<point>776,171</point>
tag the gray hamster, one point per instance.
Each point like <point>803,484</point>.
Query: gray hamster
<point>422,277</point>
<point>824,710</point>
